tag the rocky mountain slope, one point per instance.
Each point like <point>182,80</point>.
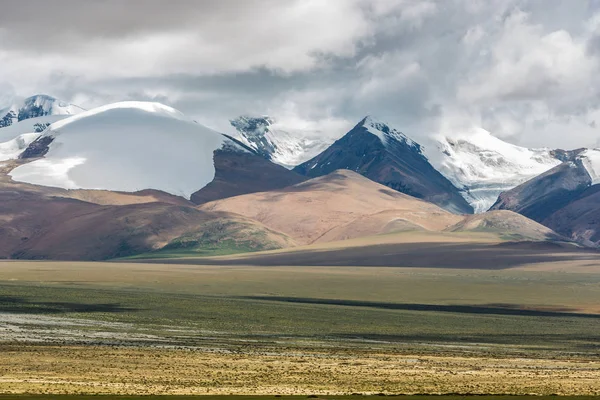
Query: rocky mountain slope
<point>385,155</point>
<point>477,163</point>
<point>564,198</point>
<point>240,172</point>
<point>327,208</point>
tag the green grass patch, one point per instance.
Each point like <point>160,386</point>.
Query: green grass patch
<point>216,238</point>
<point>222,248</point>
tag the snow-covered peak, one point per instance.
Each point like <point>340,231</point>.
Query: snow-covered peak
<point>483,166</point>
<point>127,147</point>
<point>20,109</point>
<point>384,132</point>
<point>277,142</point>
<point>591,161</point>
<point>124,107</point>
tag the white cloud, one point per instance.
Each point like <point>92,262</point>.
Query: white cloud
<point>388,73</point>
<point>528,64</point>
<point>473,35</point>
<point>527,70</point>
<point>284,36</point>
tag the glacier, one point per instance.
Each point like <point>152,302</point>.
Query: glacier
<point>482,166</point>
<point>127,146</point>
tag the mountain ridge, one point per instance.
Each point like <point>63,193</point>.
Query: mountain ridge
<point>564,198</point>
<point>141,153</point>
<point>387,156</point>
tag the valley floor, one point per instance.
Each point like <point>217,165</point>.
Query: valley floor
<point>135,328</point>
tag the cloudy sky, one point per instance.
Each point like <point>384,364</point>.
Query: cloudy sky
<point>526,70</point>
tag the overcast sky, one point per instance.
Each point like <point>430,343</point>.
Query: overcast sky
<point>526,70</point>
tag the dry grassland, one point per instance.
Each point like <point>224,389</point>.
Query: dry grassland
<point>94,370</point>
<point>193,329</point>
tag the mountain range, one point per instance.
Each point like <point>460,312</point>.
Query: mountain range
<point>135,177</point>
<point>387,156</point>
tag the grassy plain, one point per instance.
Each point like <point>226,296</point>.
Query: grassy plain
<point>135,328</point>
<point>406,307</point>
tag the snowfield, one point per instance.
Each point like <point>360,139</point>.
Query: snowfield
<point>27,126</point>
<point>482,166</point>
<point>127,147</point>
<point>591,161</point>
<point>15,138</point>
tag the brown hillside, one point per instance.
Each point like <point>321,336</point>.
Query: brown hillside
<point>506,223</point>
<point>340,205</point>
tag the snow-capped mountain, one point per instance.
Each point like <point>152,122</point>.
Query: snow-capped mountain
<point>387,156</point>
<point>132,146</point>
<point>477,163</point>
<point>483,166</point>
<point>279,144</point>
<point>126,146</point>
<point>35,106</point>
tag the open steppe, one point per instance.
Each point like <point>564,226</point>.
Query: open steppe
<point>140,328</point>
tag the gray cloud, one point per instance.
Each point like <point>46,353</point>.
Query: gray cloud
<point>527,70</point>
<point>61,23</point>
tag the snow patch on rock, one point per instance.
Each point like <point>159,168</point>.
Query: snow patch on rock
<point>11,149</point>
<point>15,138</point>
<point>384,132</point>
<point>277,142</point>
